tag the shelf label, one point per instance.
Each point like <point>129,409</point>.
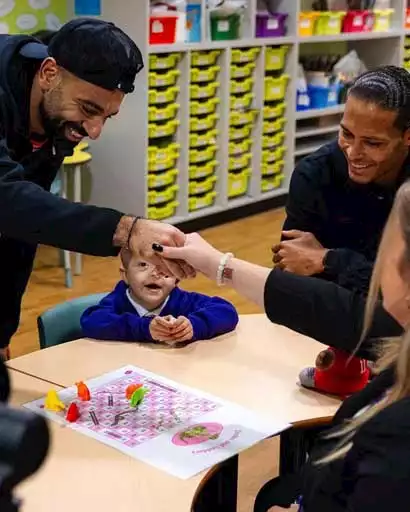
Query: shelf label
<point>223,26</point>
<point>333,23</point>
<point>305,24</point>
<point>157,27</point>
<point>273,24</point>
<point>358,21</point>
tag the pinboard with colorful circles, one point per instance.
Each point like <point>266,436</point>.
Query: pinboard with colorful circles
<point>27,16</point>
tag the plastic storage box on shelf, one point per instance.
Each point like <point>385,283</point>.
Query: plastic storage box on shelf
<point>164,61</point>
<point>306,23</point>
<point>244,55</point>
<point>202,154</point>
<point>158,79</point>
<point>382,20</point>
<point>199,140</point>
<point>225,26</point>
<point>162,196</point>
<point>165,129</point>
<point>275,88</point>
<point>271,183</point>
<point>270,24</point>
<point>237,148</point>
<point>200,75</point>
<point>203,91</point>
<point>271,143</point>
<point>162,113</point>
<point>202,186</point>
<point>240,132</point>
<point>273,126</point>
<point>241,102</point>
<point>204,123</point>
<point>323,97</point>
<point>274,111</point>
<point>159,97</point>
<point>163,28</point>
<point>201,201</point>
<point>238,183</point>
<point>204,58</point>
<point>242,70</point>
<point>163,158</point>
<point>161,212</point>
<point>239,162</point>
<point>239,118</point>
<point>272,168</point>
<point>358,21</point>
<point>201,108</point>
<point>275,58</point>
<point>242,86</point>
<point>329,23</point>
<point>162,179</point>
<point>202,170</point>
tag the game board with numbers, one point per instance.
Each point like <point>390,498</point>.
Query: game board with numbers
<point>171,423</point>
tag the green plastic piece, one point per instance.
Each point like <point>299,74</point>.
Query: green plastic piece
<point>138,396</point>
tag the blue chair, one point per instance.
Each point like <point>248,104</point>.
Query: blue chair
<point>62,322</point>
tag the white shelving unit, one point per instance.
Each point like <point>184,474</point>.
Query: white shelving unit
<point>120,158</point>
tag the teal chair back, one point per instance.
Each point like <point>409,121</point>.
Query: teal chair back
<point>62,322</point>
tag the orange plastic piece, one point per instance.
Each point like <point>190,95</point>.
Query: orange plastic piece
<point>83,391</point>
<point>73,413</point>
<point>131,389</point>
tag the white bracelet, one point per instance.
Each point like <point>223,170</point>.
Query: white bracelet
<point>222,264</point>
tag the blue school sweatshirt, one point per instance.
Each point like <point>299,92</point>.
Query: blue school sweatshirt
<point>115,318</point>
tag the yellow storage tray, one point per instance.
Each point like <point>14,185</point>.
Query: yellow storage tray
<point>244,55</point>
<point>382,21</point>
<point>240,132</point>
<point>199,140</point>
<point>242,86</point>
<point>198,156</point>
<point>274,111</point>
<point>199,108</point>
<point>199,124</point>
<point>164,61</point>
<point>239,162</point>
<point>273,126</point>
<point>162,179</point>
<point>242,71</point>
<point>275,58</point>
<point>200,75</point>
<point>275,88</point>
<point>162,196</point>
<point>204,58</point>
<point>307,22</point>
<point>156,165</point>
<point>268,184</point>
<point>167,79</point>
<point>201,92</point>
<point>236,148</point>
<point>239,118</point>
<point>162,113</point>
<point>273,155</point>
<point>198,187</point>
<point>272,168</point>
<point>160,97</point>
<point>407,53</point>
<point>163,212</point>
<point>198,202</point>
<point>202,170</point>
<point>241,102</point>
<point>163,153</point>
<point>157,130</point>
<point>238,183</point>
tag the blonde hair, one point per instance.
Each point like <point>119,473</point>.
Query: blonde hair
<point>395,351</point>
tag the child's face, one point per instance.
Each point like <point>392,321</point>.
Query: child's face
<point>148,286</point>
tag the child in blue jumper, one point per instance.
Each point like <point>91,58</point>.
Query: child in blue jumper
<point>147,305</point>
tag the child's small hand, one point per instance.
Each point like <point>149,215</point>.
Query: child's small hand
<point>160,330</point>
<point>182,330</point>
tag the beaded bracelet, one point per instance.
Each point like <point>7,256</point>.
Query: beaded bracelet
<point>136,219</point>
<point>222,264</point>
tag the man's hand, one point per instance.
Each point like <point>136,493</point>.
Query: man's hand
<point>171,330</point>
<point>301,254</point>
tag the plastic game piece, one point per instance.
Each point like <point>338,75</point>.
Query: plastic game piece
<point>138,396</point>
<point>52,402</point>
<point>130,390</point>
<point>83,391</point>
<point>73,413</point>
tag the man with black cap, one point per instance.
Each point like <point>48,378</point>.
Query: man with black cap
<point>50,99</point>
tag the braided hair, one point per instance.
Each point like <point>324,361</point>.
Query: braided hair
<point>389,88</point>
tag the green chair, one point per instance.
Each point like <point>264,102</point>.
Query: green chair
<point>62,322</point>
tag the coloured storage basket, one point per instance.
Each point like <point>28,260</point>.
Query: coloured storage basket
<point>162,29</point>
<point>225,27</point>
<point>271,183</point>
<point>198,187</point>
<point>199,124</point>
<point>273,126</point>
<point>275,88</point>
<point>199,140</point>
<point>242,71</point>
<point>165,195</point>
<point>240,132</point>
<point>239,162</point>
<point>199,108</point>
<point>204,58</point>
<point>163,212</point>
<point>270,25</point>
<point>407,18</point>
<point>166,79</point>
<point>200,75</point>
<point>358,21</point>
<point>203,170</point>
<point>198,156</point>
<point>275,58</point>
<point>162,113</point>
<point>241,86</point>
<point>306,25</point>
<point>164,152</point>
<point>236,148</point>
<point>156,97</point>
<point>274,111</point>
<point>201,91</point>
<point>244,55</point>
<point>272,168</point>
<point>241,102</point>
<point>164,61</point>
<point>204,201</point>
<point>238,183</point>
<point>382,20</point>
<point>270,142</point>
<point>329,23</point>
<point>275,153</point>
<point>157,130</point>
<point>239,118</point>
<point>156,165</point>
<point>162,179</point>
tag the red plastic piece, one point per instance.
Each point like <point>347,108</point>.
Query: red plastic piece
<point>83,391</point>
<point>358,21</point>
<point>131,389</point>
<point>73,413</point>
<point>162,29</point>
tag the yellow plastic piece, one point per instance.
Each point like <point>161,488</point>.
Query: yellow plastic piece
<point>275,58</point>
<point>156,130</point>
<point>382,20</point>
<point>273,112</point>
<point>274,126</point>
<point>160,97</point>
<point>407,53</point>
<point>268,184</point>
<point>241,102</point>
<point>238,183</point>
<point>200,124</point>
<point>239,118</point>
<point>162,165</point>
<point>82,146</point>
<point>236,148</point>
<point>162,179</point>
<point>244,55</point>
<point>406,65</point>
<point>239,162</point>
<point>198,140</point>
<point>203,169</point>
<point>162,196</point>
<point>306,25</point>
<point>275,88</point>
<point>162,113</point>
<point>164,61</point>
<point>52,402</point>
<point>240,132</point>
<point>273,155</point>
<point>204,58</point>
<point>167,79</point>
<point>202,186</point>
<point>199,108</point>
<point>162,212</point>
<point>272,168</point>
<point>200,91</point>
<point>200,75</point>
<point>242,86</point>
<point>198,156</point>
<point>242,71</point>
<point>163,153</point>
<point>329,23</point>
<point>77,158</point>
<point>198,202</point>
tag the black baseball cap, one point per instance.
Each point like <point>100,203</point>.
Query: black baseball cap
<point>96,51</point>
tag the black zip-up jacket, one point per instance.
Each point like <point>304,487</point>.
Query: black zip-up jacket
<point>344,216</point>
<point>29,213</point>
